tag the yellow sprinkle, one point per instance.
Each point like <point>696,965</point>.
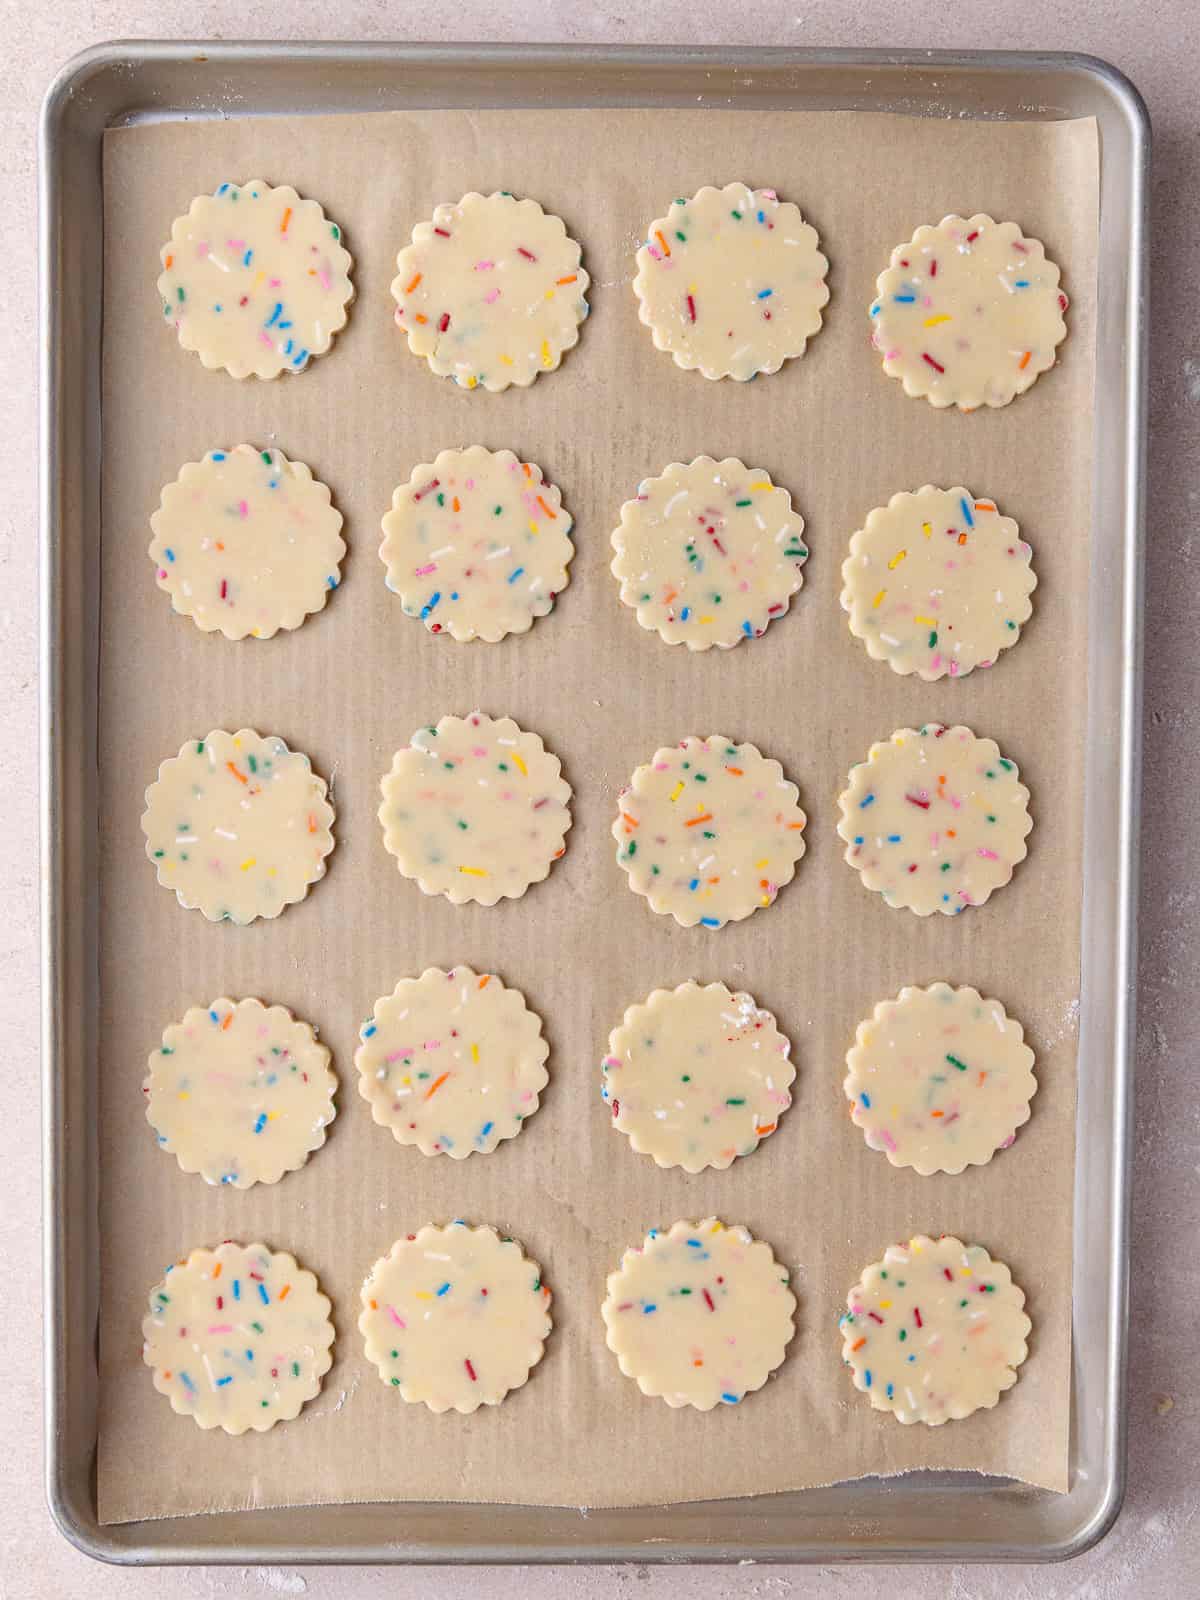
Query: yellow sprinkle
<point>966,1271</point>
<point>507,360</point>
<point>764,483</point>
<point>237,744</point>
<point>270,872</point>
<point>520,765</point>
<point>272,1116</point>
<point>249,862</point>
<point>878,600</point>
<point>406,1083</point>
<point>184,1095</point>
<point>932,322</point>
<point>759,865</point>
<point>545,352</point>
<point>706,619</point>
<point>896,560</point>
<point>926,530</point>
<point>473,872</point>
<point>928,621</point>
<point>765,901</point>
<point>259,279</point>
<point>917,1249</point>
<point>254,632</point>
<point>885,1305</point>
<point>534,529</point>
<point>677,790</point>
<point>716,1227</point>
<point>549,294</point>
<point>422,1294</point>
<point>472,382</point>
<point>474,1052</point>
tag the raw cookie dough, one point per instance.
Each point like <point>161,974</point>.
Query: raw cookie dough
<point>939,1079</point>
<point>491,291</point>
<point>935,819</point>
<point>477,544</point>
<point>238,825</point>
<point>709,553</point>
<point>697,1076</point>
<point>240,1092</point>
<point>935,1330</point>
<point>709,831</point>
<point>700,1314</point>
<point>452,1062</point>
<point>255,280</point>
<point>968,313</point>
<point>937,583</point>
<point>239,1337</point>
<point>247,542</point>
<point>731,281</point>
<point>475,809</point>
<point>455,1317</point>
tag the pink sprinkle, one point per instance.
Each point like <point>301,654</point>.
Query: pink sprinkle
<point>988,855</point>
<point>888,1140</point>
<point>276,283</point>
<point>202,250</point>
<point>528,254</point>
<point>243,509</point>
<point>398,1320</point>
<point>423,572</point>
<point>657,254</point>
<point>484,266</point>
<point>612,1061</point>
<point>221,1327</point>
<point>326,284</point>
<point>262,336</point>
<point>478,750</point>
<point>432,1044</point>
<point>491,297</point>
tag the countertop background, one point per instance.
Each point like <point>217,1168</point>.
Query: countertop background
<point>1155,1547</point>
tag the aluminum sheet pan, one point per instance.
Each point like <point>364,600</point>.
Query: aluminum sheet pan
<point>919,1517</point>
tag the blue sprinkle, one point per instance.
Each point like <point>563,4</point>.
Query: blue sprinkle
<point>693,1243</point>
<point>945,897</point>
<point>912,1358</point>
<point>966,511</point>
<point>762,216</point>
<point>869,801</point>
<point>454,595</point>
<point>432,604</point>
<point>221,1382</point>
<point>246,258</point>
<point>213,1017</point>
<point>299,360</point>
<point>486,1129</point>
<point>284,324</point>
<point>891,1389</point>
<point>513,576</point>
<point>369,1030</point>
<point>765,294</point>
<point>223,188</point>
<point>445,1289</point>
<point>289,347</point>
<point>866,1100</point>
<point>710,922</point>
<point>261,1123</point>
<point>332,582</point>
<point>447,1141</point>
<point>867,1377</point>
<point>1021,283</point>
<point>894,838</point>
<point>858,838</point>
<point>263,1295</point>
<point>218,455</point>
<point>747,629</point>
<point>187,1382</point>
<point>216,308</point>
<point>731,1399</point>
<point>694,885</point>
<point>170,554</point>
<point>904,299</point>
<point>875,309</point>
<point>646,1310</point>
<point>276,314</point>
<point>685,613</point>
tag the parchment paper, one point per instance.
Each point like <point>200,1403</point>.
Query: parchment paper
<point>352,685</point>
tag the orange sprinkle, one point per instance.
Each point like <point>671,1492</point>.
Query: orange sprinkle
<point>560,281</point>
<point>435,1086</point>
<point>167,1374</point>
<point>374,1304</point>
<point>674,595</point>
<point>228,1020</point>
<point>985,505</point>
<point>220,545</point>
<point>980,1327</point>
<point>485,980</point>
<point>287,217</point>
<point>216,1272</point>
<point>420,317</point>
<point>692,822</point>
<point>666,247</point>
<point>1024,361</point>
<point>312,823</point>
<point>937,1113</point>
<point>409,287</point>
<point>694,1363</point>
<point>858,1344</point>
<point>795,824</point>
<point>981,1077</point>
<point>528,469</point>
<point>738,772</point>
<point>631,821</point>
<point>454,505</point>
<point>962,538</point>
<point>285,1291</point>
<point>768,1128</point>
<point>717,879</point>
<point>951,833</point>
<point>170,262</point>
<point>235,772</point>
<point>553,515</point>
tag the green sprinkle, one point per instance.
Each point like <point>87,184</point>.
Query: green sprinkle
<point>687,1078</point>
<point>932,640</point>
<point>252,763</point>
<point>682,237</point>
<point>200,747</point>
<point>167,1050</point>
<point>685,1291</point>
<point>441,499</point>
<point>737,215</point>
<point>945,866</point>
<point>955,1062</point>
<point>266,455</point>
<point>702,777</point>
<point>396,1353</point>
<point>295,1369</point>
<point>503,765</point>
<point>335,230</point>
<point>903,1335</point>
<point>462,825</point>
<point>739,1102</point>
<point>395,1383</point>
<point>743,502</point>
<point>631,850</point>
<point>179,294</point>
<point>499,511</point>
<point>1007,765</point>
<point>158,854</point>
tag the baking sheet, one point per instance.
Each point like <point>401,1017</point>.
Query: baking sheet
<point>352,685</point>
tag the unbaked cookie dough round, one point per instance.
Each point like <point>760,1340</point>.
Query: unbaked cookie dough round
<point>699,1315</point>
<point>939,1079</point>
<point>696,1077</point>
<point>491,291</point>
<point>934,819</point>
<point>969,313</point>
<point>238,825</point>
<point>240,1092</point>
<point>255,280</point>
<point>477,544</point>
<point>455,1317</point>
<point>709,553</point>
<point>247,542</point>
<point>731,281</point>
<point>709,831</point>
<point>475,809</point>
<point>452,1062</point>
<point>239,1337</point>
<point>937,583</point>
<point>934,1331</point>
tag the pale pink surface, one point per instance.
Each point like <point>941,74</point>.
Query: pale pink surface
<point>1155,1548</point>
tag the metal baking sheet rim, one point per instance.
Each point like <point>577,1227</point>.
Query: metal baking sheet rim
<point>866,1519</point>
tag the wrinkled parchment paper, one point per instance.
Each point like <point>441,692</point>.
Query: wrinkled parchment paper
<point>353,683</point>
